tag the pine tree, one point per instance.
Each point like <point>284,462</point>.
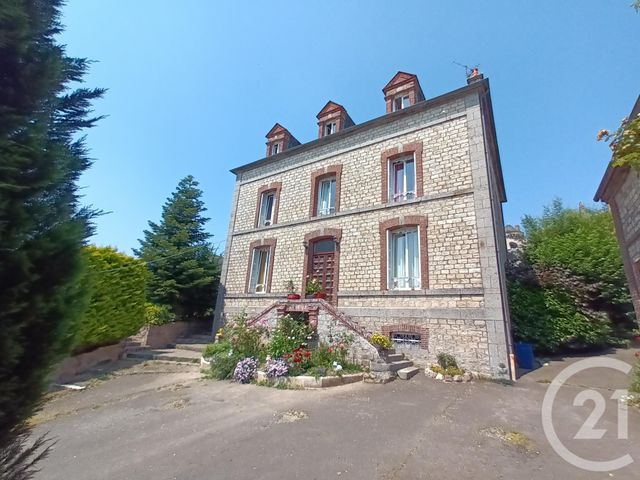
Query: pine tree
<point>42,226</point>
<point>184,267</point>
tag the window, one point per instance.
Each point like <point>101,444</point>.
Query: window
<point>402,179</point>
<point>275,148</point>
<point>401,102</point>
<point>260,270</point>
<point>404,259</point>
<point>512,245</point>
<point>406,341</point>
<point>330,128</point>
<point>267,207</point>
<point>326,196</point>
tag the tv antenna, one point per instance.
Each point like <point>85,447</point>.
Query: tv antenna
<point>470,71</point>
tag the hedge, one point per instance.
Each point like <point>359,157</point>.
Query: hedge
<point>117,283</point>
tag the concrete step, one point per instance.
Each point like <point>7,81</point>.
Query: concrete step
<point>165,355</point>
<point>195,340</point>
<point>395,366</point>
<point>194,347</point>
<point>390,367</point>
<point>394,357</point>
<point>407,373</point>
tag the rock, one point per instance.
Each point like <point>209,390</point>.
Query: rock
<point>439,376</point>
<point>457,378</point>
<point>448,378</point>
<point>467,377</point>
<point>429,372</point>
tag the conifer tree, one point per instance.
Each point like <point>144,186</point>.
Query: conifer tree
<point>42,225</point>
<point>184,267</point>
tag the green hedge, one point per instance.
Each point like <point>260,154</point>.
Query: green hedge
<point>117,283</point>
<point>549,320</point>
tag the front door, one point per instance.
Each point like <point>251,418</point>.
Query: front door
<point>322,265</point>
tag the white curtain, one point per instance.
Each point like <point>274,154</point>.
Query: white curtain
<point>259,270</point>
<point>404,260</point>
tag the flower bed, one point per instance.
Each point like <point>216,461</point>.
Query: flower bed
<point>290,354</point>
<point>447,370</point>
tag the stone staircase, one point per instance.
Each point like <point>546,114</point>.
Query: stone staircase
<point>185,350</point>
<point>392,365</point>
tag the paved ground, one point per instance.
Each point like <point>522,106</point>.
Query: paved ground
<point>158,421</point>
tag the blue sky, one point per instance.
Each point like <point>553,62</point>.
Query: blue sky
<point>194,86</point>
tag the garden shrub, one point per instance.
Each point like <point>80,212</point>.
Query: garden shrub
<point>635,383</point>
<point>288,335</point>
<point>276,368</point>
<point>158,314</point>
<point>446,360</point>
<point>381,341</point>
<point>549,319</point>
<point>117,298</point>
<point>246,340</point>
<point>223,359</point>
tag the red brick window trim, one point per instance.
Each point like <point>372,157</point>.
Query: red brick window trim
<point>418,221</point>
<point>389,156</point>
<point>316,178</point>
<point>274,187</point>
<point>267,244</point>
<point>389,330</point>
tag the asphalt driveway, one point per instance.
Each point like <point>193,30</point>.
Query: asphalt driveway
<point>157,421</point>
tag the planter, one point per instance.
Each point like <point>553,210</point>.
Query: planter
<point>321,295</point>
<point>307,381</point>
<point>293,296</point>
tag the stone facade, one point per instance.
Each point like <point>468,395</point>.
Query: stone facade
<point>461,301</point>
<point>620,188</point>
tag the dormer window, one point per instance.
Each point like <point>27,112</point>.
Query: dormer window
<point>402,91</point>
<point>267,207</point>
<point>333,118</point>
<point>330,128</point>
<point>279,139</point>
<point>401,102</point>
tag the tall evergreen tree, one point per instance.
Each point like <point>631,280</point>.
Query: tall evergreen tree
<point>42,226</point>
<point>184,267</point>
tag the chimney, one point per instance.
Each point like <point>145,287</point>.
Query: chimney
<point>474,76</point>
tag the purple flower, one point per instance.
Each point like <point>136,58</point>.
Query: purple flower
<point>245,370</point>
<point>276,368</point>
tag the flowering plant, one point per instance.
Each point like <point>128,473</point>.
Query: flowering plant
<point>624,142</point>
<point>299,360</point>
<point>245,370</point>
<point>276,368</point>
<point>380,341</point>
<point>313,286</point>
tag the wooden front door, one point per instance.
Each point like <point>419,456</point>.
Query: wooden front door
<point>323,266</point>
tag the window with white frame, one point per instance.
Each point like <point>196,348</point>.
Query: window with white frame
<point>402,340</point>
<point>330,128</point>
<point>260,270</point>
<point>402,179</point>
<point>267,208</point>
<point>326,196</point>
<point>400,102</point>
<point>275,148</point>
<point>404,259</point>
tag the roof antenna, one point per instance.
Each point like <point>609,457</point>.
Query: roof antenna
<point>471,72</point>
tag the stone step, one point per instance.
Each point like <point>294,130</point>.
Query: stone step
<point>395,366</point>
<point>194,347</point>
<point>394,357</point>
<point>165,355</point>
<point>390,367</point>
<point>408,372</point>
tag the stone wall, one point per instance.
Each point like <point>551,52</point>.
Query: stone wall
<point>626,211</point>
<point>462,305</point>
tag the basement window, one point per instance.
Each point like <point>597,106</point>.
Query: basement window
<point>410,341</point>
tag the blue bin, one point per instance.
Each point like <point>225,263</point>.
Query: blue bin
<point>524,355</point>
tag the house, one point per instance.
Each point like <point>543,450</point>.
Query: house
<point>399,218</point>
<point>515,237</point>
<point>620,188</point>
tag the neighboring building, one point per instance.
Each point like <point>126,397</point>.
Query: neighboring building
<point>399,218</point>
<point>620,188</point>
<point>515,237</point>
